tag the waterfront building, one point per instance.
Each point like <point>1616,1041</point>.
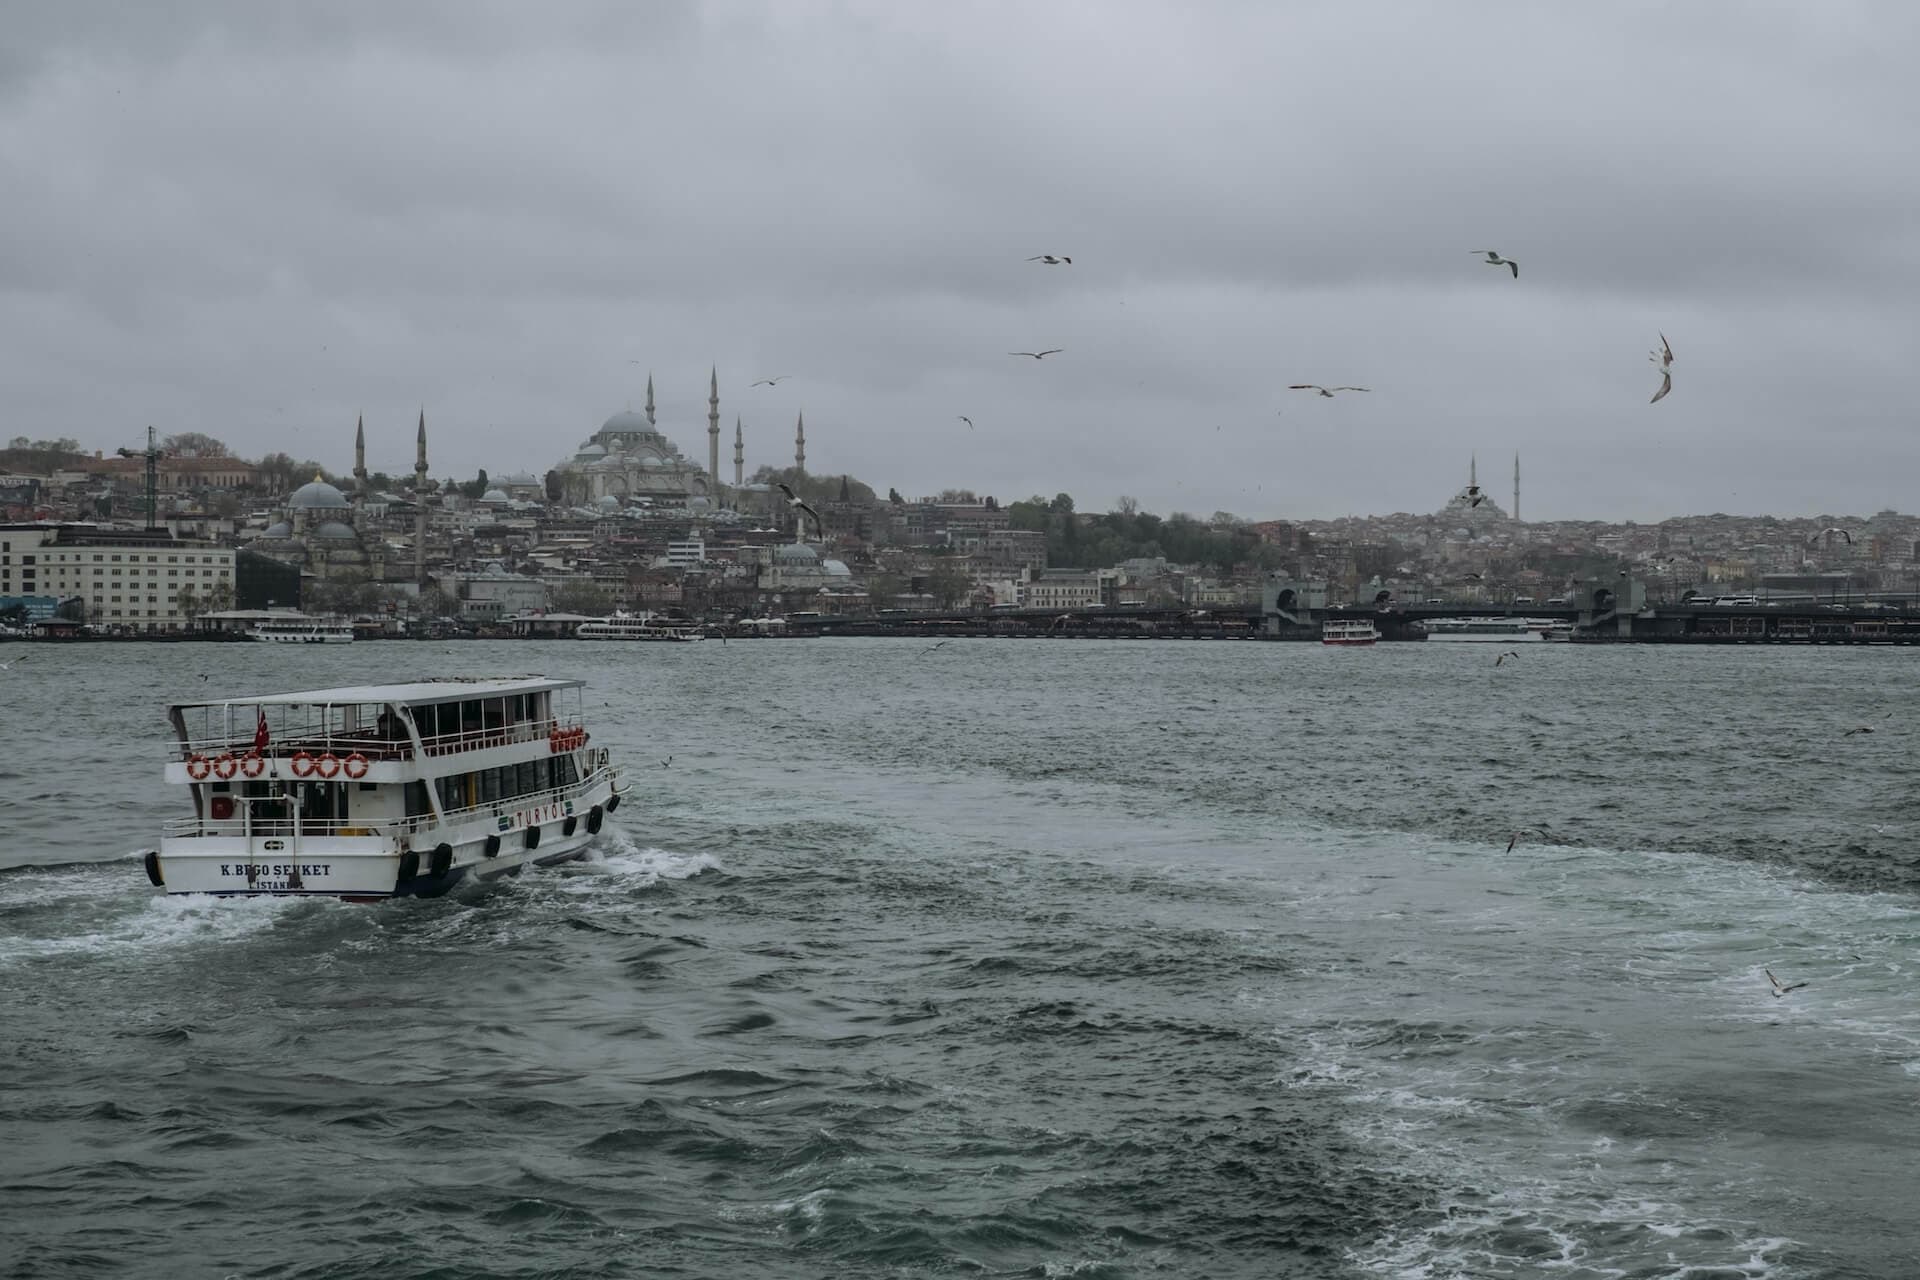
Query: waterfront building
<point>136,579</point>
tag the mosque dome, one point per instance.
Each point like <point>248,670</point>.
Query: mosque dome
<point>279,529</point>
<point>334,529</point>
<point>627,420</point>
<point>495,495</point>
<point>317,495</point>
<point>835,569</point>
<point>592,449</point>
<point>608,502</point>
<point>698,502</point>
<point>796,553</point>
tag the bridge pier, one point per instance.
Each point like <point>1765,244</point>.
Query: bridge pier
<point>1290,609</point>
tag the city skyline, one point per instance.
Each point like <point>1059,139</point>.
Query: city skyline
<point>260,222</point>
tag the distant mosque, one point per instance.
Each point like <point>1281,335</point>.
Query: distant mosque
<point>1474,505</point>
<point>629,459</point>
<point>331,535</point>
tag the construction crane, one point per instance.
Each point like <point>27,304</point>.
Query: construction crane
<point>153,454</point>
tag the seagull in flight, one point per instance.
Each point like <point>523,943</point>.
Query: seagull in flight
<point>8,666</point>
<point>773,382</point>
<point>1503,657</point>
<point>1495,260</point>
<point>1862,729</point>
<point>797,503</point>
<point>1325,391</point>
<point>1039,355</point>
<point>1781,988</point>
<point>1824,532</point>
<point>667,762</point>
<point>1524,831</point>
<point>969,421</point>
<point>930,648</point>
<point>1664,358</point>
<point>1050,259</point>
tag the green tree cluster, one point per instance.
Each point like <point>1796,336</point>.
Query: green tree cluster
<point>1077,541</point>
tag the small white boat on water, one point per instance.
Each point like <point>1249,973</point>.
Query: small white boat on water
<point>622,626</point>
<point>1359,631</point>
<point>381,791</point>
<point>302,630</point>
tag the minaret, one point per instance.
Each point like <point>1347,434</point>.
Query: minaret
<point>713,432</point>
<point>360,458</point>
<point>739,454</point>
<point>420,505</point>
<point>1516,484</point>
<point>649,400</point>
<point>1473,470</point>
<point>800,444</point>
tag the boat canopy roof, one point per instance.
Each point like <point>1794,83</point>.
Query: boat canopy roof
<point>418,693</point>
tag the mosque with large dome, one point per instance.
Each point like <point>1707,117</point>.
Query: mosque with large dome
<point>628,459</point>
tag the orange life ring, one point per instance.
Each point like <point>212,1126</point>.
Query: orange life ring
<point>356,765</point>
<point>302,763</point>
<point>327,765</point>
<point>197,766</point>
<point>226,765</point>
<point>253,766</point>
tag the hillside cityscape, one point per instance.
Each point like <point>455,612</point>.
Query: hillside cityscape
<point>629,523</point>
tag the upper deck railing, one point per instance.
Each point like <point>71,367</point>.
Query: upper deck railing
<point>376,744</point>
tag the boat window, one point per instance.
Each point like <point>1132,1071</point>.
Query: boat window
<point>529,783</point>
<point>449,789</point>
<point>489,786</point>
<point>417,806</point>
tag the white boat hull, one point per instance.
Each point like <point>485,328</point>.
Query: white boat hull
<point>365,868</point>
<point>1484,637</point>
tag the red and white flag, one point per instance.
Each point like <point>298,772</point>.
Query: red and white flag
<point>260,732</point>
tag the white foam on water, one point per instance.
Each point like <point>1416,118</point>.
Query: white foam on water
<point>161,920</point>
<point>622,860</point>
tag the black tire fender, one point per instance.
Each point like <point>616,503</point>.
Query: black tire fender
<point>409,866</point>
<point>594,818</point>
<point>442,859</point>
<point>152,861</point>
<point>492,847</point>
<point>533,837</point>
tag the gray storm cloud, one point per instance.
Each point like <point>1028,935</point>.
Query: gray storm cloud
<point>261,220</point>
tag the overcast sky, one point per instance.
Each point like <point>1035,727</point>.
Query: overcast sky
<point>260,220</point>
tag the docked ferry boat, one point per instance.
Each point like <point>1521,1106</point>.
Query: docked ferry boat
<point>1500,630</point>
<point>623,626</point>
<point>1360,631</point>
<point>302,631</point>
<point>382,791</point>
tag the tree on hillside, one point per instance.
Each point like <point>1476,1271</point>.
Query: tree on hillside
<point>195,444</point>
<point>580,597</point>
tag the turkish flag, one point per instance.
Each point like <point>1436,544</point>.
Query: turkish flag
<point>260,733</point>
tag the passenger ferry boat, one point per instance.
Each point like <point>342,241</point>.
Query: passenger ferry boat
<point>623,626</point>
<point>382,791</point>
<point>302,631</point>
<point>1500,630</point>
<point>1357,632</point>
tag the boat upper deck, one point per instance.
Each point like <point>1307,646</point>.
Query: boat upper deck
<point>391,722</point>
<point>414,694</point>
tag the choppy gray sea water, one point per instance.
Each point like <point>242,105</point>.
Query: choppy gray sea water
<point>1016,958</point>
